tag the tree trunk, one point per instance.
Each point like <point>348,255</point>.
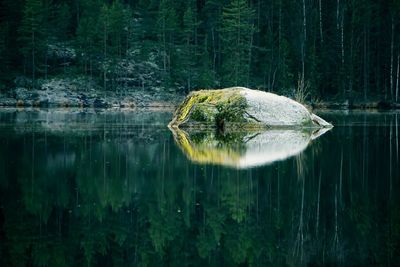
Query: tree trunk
<point>351,57</point>
<point>214,50</point>
<point>105,57</point>
<point>77,12</point>
<point>320,22</point>
<point>271,64</point>
<point>189,65</point>
<point>365,63</point>
<point>342,53</point>
<point>45,64</point>
<point>303,48</point>
<point>391,59</point>
<point>397,79</point>
<point>33,59</point>
<point>164,48</point>
<point>239,54</point>
<point>279,32</point>
<point>249,59</point>
<point>337,14</point>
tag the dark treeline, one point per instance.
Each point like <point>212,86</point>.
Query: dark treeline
<point>346,48</point>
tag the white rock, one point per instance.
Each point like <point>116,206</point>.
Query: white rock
<point>261,108</point>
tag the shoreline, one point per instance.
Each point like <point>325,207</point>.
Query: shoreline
<point>169,103</point>
<point>67,94</point>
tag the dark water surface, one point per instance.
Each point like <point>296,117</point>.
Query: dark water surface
<point>115,189</point>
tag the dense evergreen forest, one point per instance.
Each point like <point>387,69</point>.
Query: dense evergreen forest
<point>321,48</point>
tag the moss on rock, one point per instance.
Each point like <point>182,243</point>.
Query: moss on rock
<point>210,108</point>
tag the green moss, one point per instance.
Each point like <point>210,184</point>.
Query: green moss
<point>212,107</point>
<point>203,112</point>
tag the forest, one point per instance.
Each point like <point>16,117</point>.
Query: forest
<point>345,49</point>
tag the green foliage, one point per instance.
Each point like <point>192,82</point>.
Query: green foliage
<point>61,22</point>
<point>167,23</point>
<point>31,31</point>
<point>32,34</point>
<point>237,37</point>
<point>207,77</point>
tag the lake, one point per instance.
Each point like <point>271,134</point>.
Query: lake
<point>118,188</point>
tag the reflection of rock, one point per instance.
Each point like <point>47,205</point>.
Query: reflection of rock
<point>244,149</point>
<point>240,107</point>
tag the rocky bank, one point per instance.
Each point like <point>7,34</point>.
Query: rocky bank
<point>83,92</point>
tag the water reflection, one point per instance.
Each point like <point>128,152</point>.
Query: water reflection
<point>244,149</point>
<point>120,193</point>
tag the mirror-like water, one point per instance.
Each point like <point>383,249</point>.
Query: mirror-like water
<point>115,189</point>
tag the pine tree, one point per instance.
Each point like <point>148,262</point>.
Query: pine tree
<point>189,46</point>
<point>31,35</point>
<point>237,36</point>
<point>3,41</point>
<point>88,42</point>
<point>207,77</point>
<point>88,34</point>
<point>61,21</point>
<point>105,28</point>
<point>167,28</point>
<point>211,22</point>
<point>119,25</point>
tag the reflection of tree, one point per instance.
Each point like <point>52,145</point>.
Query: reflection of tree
<point>105,199</point>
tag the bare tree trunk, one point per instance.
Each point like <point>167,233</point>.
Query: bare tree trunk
<point>320,22</point>
<point>391,59</point>
<point>342,52</point>
<point>397,79</point>
<point>351,56</point>
<point>188,80</point>
<point>303,54</point>
<point>239,54</point>
<point>271,64</point>
<point>33,59</point>
<point>214,50</point>
<point>105,57</point>
<point>279,32</point>
<point>165,49</point>
<point>45,64</point>
<point>365,63</point>
<point>337,14</point>
<point>77,12</point>
<point>250,50</point>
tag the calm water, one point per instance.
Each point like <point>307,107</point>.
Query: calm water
<point>116,189</point>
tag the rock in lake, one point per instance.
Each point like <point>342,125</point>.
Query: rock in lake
<point>240,107</point>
